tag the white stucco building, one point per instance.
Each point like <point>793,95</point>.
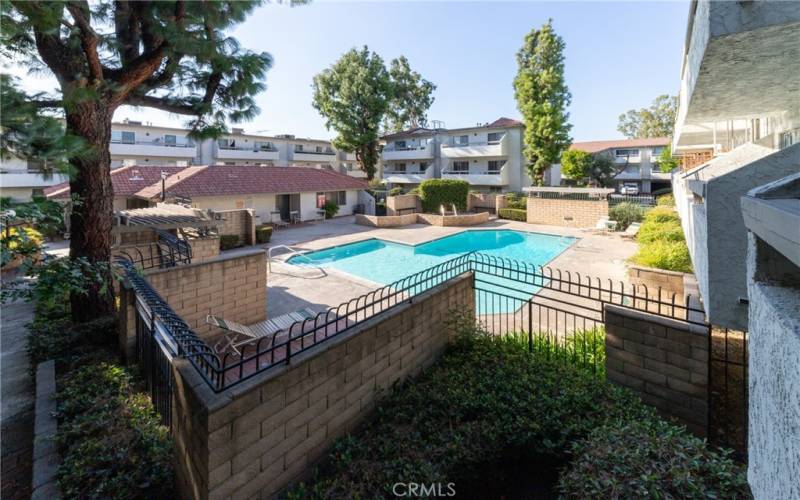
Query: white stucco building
<point>738,127</point>
<point>772,216</point>
<point>21,180</point>
<point>488,156</point>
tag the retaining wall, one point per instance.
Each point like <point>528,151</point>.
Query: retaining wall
<point>664,361</point>
<point>255,438</point>
<point>566,212</point>
<point>386,220</point>
<point>453,220</point>
<point>396,204</point>
<point>670,282</point>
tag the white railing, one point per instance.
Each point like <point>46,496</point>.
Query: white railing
<point>292,253</point>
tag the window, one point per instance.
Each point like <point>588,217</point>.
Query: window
<point>263,146</point>
<point>495,165</point>
<point>298,148</point>
<point>170,140</point>
<point>123,137</point>
<point>400,144</point>
<point>462,140</point>
<point>320,200</point>
<point>226,143</point>
<point>338,197</point>
<point>423,166</point>
<point>656,151</point>
<point>399,167</point>
<point>318,149</point>
<point>328,150</point>
<point>786,140</point>
<point>625,153</point>
<point>460,166</point>
<point>494,137</point>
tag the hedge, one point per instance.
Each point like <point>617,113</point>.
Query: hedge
<point>112,443</point>
<point>662,244</point>
<point>513,214</point>
<point>228,241</point>
<point>435,193</point>
<point>650,459</point>
<point>625,214</point>
<point>263,234</point>
<point>517,200</point>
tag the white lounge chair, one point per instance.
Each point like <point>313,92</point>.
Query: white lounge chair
<point>632,230</point>
<point>237,334</point>
<point>275,219</point>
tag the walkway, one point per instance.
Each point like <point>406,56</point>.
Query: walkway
<point>17,396</point>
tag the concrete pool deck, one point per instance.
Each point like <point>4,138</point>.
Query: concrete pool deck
<point>291,288</point>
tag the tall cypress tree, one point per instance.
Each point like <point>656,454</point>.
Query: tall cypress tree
<point>542,98</point>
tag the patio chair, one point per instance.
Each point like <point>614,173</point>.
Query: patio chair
<point>295,217</point>
<point>275,219</point>
<point>632,230</point>
<point>237,334</point>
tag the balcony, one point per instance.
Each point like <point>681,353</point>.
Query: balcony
<point>186,150</point>
<point>476,149</point>
<point>624,160</point>
<point>316,156</point>
<point>391,153</point>
<point>252,154</point>
<point>407,176</point>
<point>345,156</point>
<point>478,177</point>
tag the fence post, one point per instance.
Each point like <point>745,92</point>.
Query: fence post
<point>530,325</point>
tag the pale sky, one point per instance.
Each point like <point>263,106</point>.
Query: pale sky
<point>619,55</point>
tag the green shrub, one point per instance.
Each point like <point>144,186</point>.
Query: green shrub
<point>513,214</point>
<point>666,200</point>
<point>228,241</point>
<point>437,192</point>
<point>487,399</point>
<point>667,255</point>
<point>414,190</point>
<point>661,214</point>
<point>263,234</point>
<point>395,191</point>
<point>664,231</point>
<point>331,209</point>
<point>110,438</point>
<point>516,200</point>
<point>625,214</point>
<point>650,459</point>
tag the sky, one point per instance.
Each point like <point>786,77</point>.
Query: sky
<point>618,56</point>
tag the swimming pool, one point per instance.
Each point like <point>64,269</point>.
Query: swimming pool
<point>385,262</point>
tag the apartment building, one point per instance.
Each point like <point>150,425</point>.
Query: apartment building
<point>738,127</point>
<point>488,156</point>
<point>22,180</point>
<point>636,162</point>
<point>136,143</point>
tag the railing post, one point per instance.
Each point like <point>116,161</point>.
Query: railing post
<point>530,325</point>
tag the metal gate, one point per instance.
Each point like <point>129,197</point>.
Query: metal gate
<point>154,353</point>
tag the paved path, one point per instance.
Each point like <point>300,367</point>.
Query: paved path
<point>17,397</point>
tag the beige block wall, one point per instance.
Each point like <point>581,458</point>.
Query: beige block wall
<point>482,201</point>
<point>568,213</point>
<point>670,282</point>
<point>395,204</point>
<point>453,220</point>
<point>253,439</point>
<point>239,222</point>
<point>664,361</point>
<point>234,288</point>
<point>205,248</point>
<point>386,220</point>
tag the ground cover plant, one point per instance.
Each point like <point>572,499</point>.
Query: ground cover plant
<point>662,244</point>
<point>495,419</point>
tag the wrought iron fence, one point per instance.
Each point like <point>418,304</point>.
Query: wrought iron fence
<point>644,200</point>
<point>559,311</point>
<point>168,251</point>
<point>728,390</point>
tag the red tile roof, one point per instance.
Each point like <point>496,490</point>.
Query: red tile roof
<point>126,181</point>
<point>222,180</point>
<point>597,146</point>
<point>506,122</point>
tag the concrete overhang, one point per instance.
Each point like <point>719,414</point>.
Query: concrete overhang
<point>742,60</point>
<point>772,212</point>
<point>697,187</point>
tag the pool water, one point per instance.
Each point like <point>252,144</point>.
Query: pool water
<point>385,262</point>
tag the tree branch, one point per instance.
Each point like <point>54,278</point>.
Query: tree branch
<point>51,49</point>
<point>161,103</point>
<point>47,103</point>
<point>89,39</point>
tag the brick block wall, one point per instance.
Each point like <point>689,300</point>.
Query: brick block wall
<point>386,220</point>
<point>453,220</point>
<point>240,222</point>
<point>255,438</point>
<point>670,282</point>
<point>568,213</point>
<point>664,361</point>
<point>480,202</point>
<point>204,249</point>
<point>394,204</point>
<point>234,288</point>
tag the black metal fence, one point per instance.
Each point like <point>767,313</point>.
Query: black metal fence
<point>728,391</point>
<point>645,200</point>
<point>557,310</point>
<point>168,251</point>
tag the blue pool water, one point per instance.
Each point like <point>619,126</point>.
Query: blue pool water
<point>385,262</point>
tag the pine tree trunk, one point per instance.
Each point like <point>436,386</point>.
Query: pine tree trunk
<point>92,214</point>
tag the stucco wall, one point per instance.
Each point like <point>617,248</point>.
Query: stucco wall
<point>397,205</point>
<point>255,438</point>
<point>774,379</point>
<point>386,220</point>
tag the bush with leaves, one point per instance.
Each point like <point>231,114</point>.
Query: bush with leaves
<point>229,241</point>
<point>395,191</point>
<point>112,443</point>
<point>665,231</point>
<point>18,244</point>
<point>650,459</point>
<point>666,200</point>
<point>331,209</point>
<point>516,200</point>
<point>263,234</point>
<point>513,214</point>
<point>625,214</point>
<point>436,193</point>
<point>662,214</point>
<point>667,255</point>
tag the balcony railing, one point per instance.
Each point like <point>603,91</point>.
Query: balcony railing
<point>187,144</point>
<point>329,153</point>
<point>254,149</point>
<point>405,148</point>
